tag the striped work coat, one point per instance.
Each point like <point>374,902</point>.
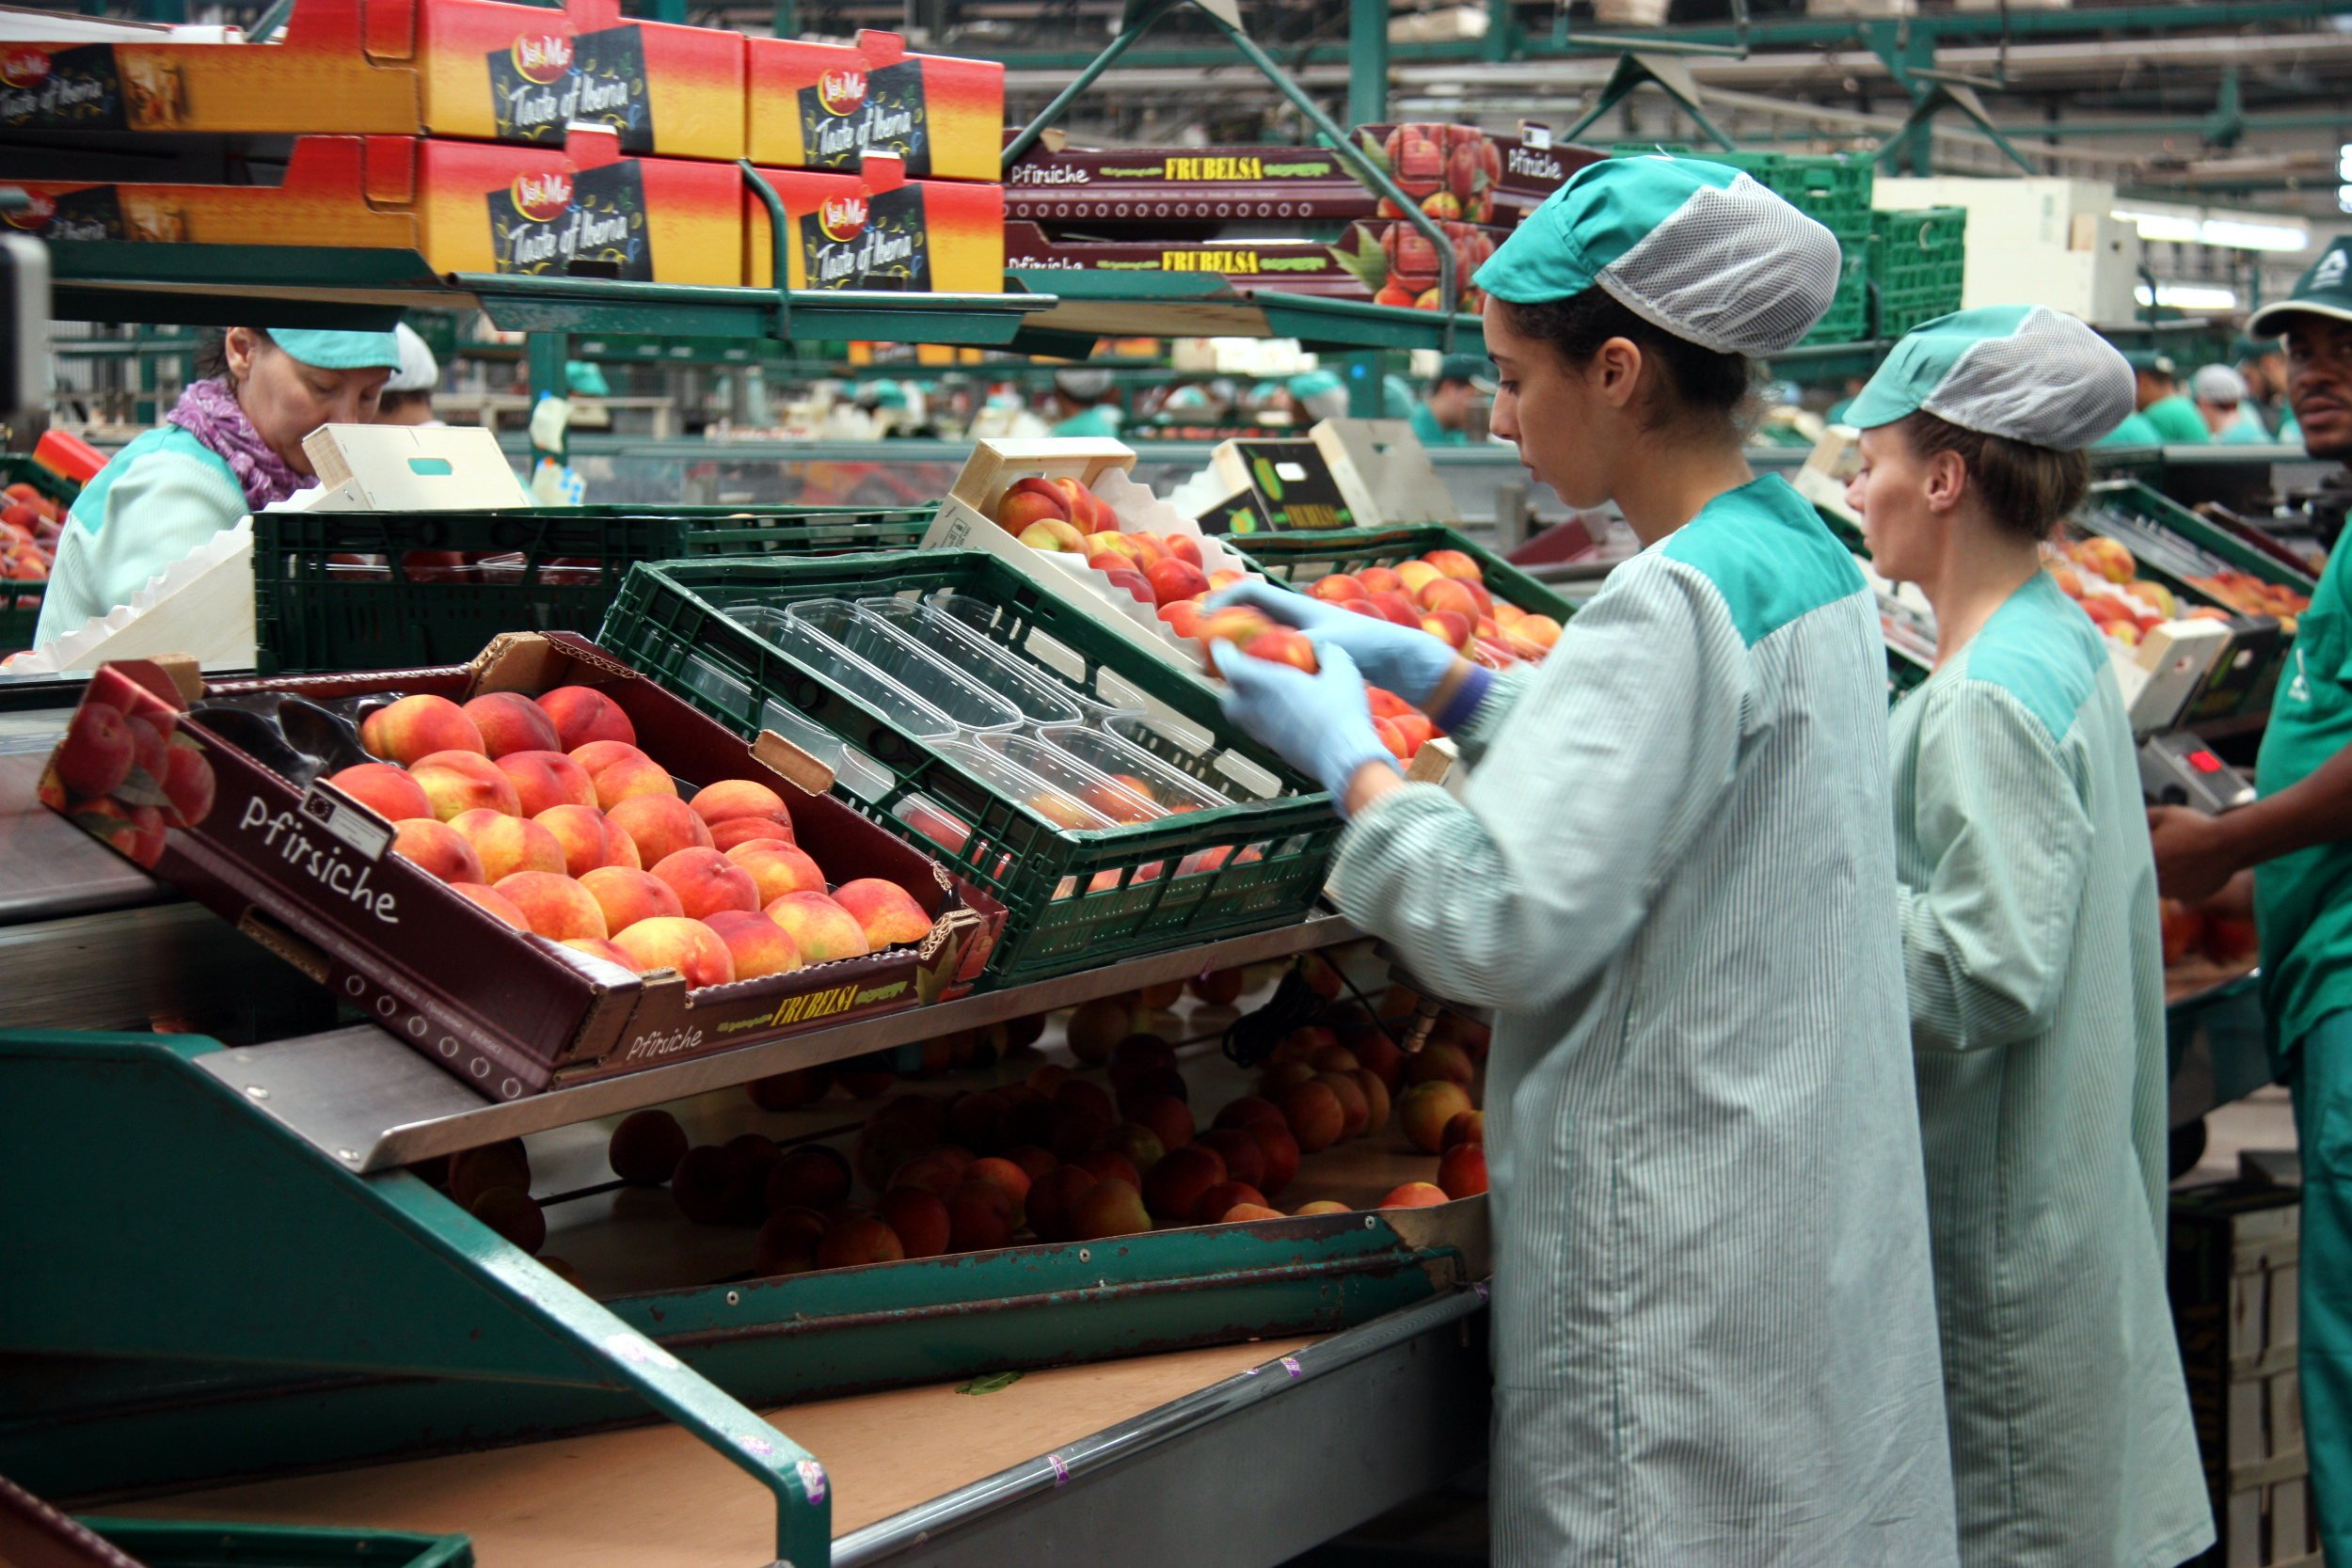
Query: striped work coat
<point>2036,976</point>
<point>1673,877</point>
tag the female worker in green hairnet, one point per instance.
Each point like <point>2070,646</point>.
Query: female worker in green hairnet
<point>1673,877</point>
<point>2030,945</point>
<point>231,446</point>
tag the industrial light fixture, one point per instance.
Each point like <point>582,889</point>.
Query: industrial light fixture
<point>2236,233</point>
<point>2189,296</point>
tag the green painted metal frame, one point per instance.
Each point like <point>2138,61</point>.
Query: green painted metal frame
<point>1670,76</point>
<point>1313,319</point>
<point>216,1298</point>
<point>171,1543</point>
<point>1139,18</point>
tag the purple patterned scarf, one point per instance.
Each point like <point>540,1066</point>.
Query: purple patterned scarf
<point>209,411</point>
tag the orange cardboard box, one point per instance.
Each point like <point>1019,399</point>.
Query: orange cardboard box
<point>483,69</point>
<point>464,206</point>
<point>819,106</point>
<point>878,230</point>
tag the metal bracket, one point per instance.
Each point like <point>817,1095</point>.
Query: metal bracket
<point>779,230</point>
<point>1669,75</point>
<point>1945,94</point>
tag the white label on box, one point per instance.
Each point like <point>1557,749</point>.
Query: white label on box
<point>347,822</point>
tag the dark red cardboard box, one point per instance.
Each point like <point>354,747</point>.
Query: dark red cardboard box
<point>309,875</point>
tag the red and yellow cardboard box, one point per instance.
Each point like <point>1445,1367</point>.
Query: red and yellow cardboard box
<point>874,229</point>
<point>821,105</point>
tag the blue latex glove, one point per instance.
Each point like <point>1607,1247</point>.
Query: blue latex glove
<point>1321,724</point>
<point>1405,659</point>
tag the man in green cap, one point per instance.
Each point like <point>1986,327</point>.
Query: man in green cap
<point>2163,405</point>
<point>2297,837</point>
<point>1442,419</point>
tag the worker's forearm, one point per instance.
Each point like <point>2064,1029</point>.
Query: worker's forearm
<point>2316,811</point>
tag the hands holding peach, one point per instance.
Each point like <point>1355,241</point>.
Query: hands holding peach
<point>1408,662</point>
<point>1320,723</point>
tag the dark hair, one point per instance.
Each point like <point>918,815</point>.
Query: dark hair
<point>393,402</point>
<point>212,354</point>
<point>2025,488</point>
<point>1695,383</point>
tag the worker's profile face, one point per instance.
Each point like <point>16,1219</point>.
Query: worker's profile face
<point>286,399</point>
<point>1891,493</point>
<point>1450,404</point>
<point>1569,432</point>
<point>2152,387</point>
<point>2319,384</point>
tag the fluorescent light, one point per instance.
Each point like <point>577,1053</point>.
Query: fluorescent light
<point>2190,296</point>
<point>2236,233</point>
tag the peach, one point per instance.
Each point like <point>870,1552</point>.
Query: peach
<point>1542,631</point>
<point>785,1091</point>
<point>1056,534</point>
<point>1249,1110</point>
<point>1052,1199</point>
<point>1414,1195</point>
<point>588,839</point>
<point>598,755</point>
<point>1029,501</point>
<point>1137,1144</point>
<point>646,1147</point>
<point>885,911</point>
<point>1083,507</point>
<point>938,1170</point>
<point>1244,1157</point>
<point>688,946</point>
<point>1280,1153</point>
<point>1182,546</point>
<point>1440,1059</point>
<point>1467,1127</point>
<point>1115,543</point>
<point>1002,1172</point>
<point>1462,1170</point>
<point>1173,1187</point>
<point>545,779</point>
<point>493,901</point>
<point>459,782</point>
<point>823,929</point>
<point>511,1213</point>
<point>1133,584</point>
<point>1250,1214</point>
<point>982,1216</point>
<point>552,904</point>
<point>919,1218</point>
<point>384,790</point>
<point>1378,579</point>
<point>510,721</point>
<point>813,1176</point>
<point>1447,595</point>
<point>1182,618</point>
<point>1377,1099</point>
<point>857,1239</point>
<point>598,947</point>
<point>776,869</point>
<point>508,844</point>
<point>733,798</point>
<point>739,831</point>
<point>1447,628</point>
<point>1423,1109</point>
<point>1323,1206</point>
<point>582,714</point>
<point>1220,988</point>
<point>1172,580</point>
<point>1140,1054</point>
<point>1108,1164</point>
<point>1110,1206</point>
<point>660,826</point>
<point>1285,648</point>
<point>787,1243</point>
<point>756,943</point>
<point>415,727</point>
<point>98,751</point>
<point>624,777</point>
<point>1397,606</point>
<point>1353,1106</point>
<point>1218,1201</point>
<point>1454,563</point>
<point>439,847</point>
<point>1096,1026</point>
<point>1337,588</point>
<point>1316,1117</point>
<point>705,881</point>
<point>1414,576</point>
<point>628,897</point>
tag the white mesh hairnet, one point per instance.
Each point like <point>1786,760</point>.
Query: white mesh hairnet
<point>2217,384</point>
<point>1738,270</point>
<point>2052,383</point>
<point>419,371</point>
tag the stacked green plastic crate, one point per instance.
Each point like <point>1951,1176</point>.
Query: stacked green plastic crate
<point>1917,258</point>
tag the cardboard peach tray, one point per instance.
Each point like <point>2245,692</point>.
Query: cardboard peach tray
<point>307,873</point>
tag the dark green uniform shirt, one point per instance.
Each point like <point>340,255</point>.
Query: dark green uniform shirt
<point>2303,901</point>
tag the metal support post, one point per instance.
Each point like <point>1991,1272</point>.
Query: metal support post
<point>545,355</point>
<point>787,22</point>
<point>1368,61</point>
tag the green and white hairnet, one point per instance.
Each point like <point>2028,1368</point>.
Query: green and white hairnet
<point>1695,248</point>
<point>2023,371</point>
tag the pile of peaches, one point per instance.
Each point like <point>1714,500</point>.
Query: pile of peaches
<point>547,813</point>
<point>2099,575</point>
<point>30,523</point>
<point>1050,1153</point>
<point>1064,516</point>
<point>2192,930</point>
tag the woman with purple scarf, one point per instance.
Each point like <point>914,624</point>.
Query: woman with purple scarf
<point>231,446</point>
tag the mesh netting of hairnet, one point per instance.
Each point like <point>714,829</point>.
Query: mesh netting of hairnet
<point>2052,383</point>
<point>1738,270</point>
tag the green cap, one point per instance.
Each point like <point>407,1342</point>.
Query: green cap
<point>1476,369</point>
<point>585,378</point>
<point>2022,371</point>
<point>338,351</point>
<point>1312,383</point>
<point>1699,249</point>
<point>2324,291</point>
<point>2153,360</point>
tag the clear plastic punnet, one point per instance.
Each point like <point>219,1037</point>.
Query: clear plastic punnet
<point>1042,699</point>
<point>1134,770</point>
<point>835,631</point>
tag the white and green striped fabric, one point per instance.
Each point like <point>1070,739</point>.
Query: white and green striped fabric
<point>2036,976</point>
<point>1673,877</point>
<point>158,499</point>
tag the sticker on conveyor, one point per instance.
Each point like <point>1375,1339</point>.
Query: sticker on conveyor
<point>813,1480</point>
<point>1061,1472</point>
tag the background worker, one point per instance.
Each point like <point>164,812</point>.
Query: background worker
<point>1084,403</point>
<point>2219,393</point>
<point>2034,962</point>
<point>408,397</point>
<point>2161,403</point>
<point>231,446</point>
<point>1442,419</point>
<point>1698,1188</point>
<point>2297,835</point>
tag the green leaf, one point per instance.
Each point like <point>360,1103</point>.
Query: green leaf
<point>1371,271</point>
<point>141,788</point>
<point>1375,151</point>
<point>990,1384</point>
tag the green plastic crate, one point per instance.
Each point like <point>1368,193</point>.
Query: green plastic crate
<point>172,1544</point>
<point>19,602</point>
<point>1073,899</point>
<point>1918,260</point>
<point>395,611</point>
<point>1300,558</point>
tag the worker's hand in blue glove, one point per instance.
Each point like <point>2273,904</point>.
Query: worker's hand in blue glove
<point>1319,723</point>
<point>1404,659</point>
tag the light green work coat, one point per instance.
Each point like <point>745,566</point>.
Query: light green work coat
<point>2036,978</point>
<point>1674,879</point>
<point>2177,420</point>
<point>158,499</point>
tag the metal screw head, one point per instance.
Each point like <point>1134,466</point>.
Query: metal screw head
<point>1370,1222</point>
<point>256,1091</point>
<point>1085,1256</point>
<point>735,1298</point>
<point>349,1156</point>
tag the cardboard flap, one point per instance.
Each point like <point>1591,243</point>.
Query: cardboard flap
<point>882,173</point>
<point>174,678</point>
<point>389,27</point>
<point>799,767</point>
<point>880,48</point>
<point>415,468</point>
<point>593,16</point>
<point>591,146</point>
<point>1385,473</point>
<point>994,464</point>
<point>387,169</point>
